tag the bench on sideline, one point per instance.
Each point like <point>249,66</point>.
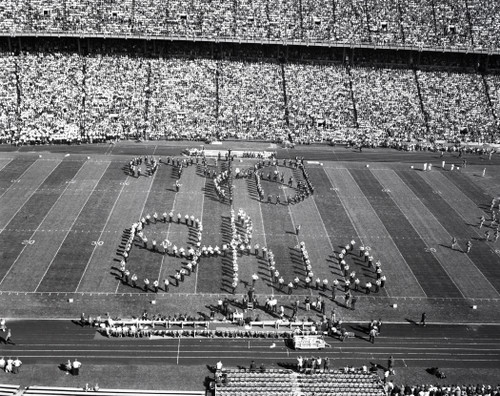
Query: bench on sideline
<point>67,391</point>
<point>201,323</point>
<point>141,322</point>
<point>280,323</point>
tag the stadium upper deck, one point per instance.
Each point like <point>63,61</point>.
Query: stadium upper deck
<point>459,25</point>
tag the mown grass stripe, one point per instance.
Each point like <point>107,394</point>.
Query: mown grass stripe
<point>426,268</point>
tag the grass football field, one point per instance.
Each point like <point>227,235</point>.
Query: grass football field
<point>63,219</point>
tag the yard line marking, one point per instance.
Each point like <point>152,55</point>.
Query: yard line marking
<point>476,231</point>
<point>264,234</point>
<point>159,274</point>
<point>6,163</point>
<point>449,237</point>
<point>382,224</point>
<point>27,199</point>
<point>10,187</point>
<point>72,224</point>
<point>102,232</point>
<point>345,209</point>
<point>454,188</point>
<point>293,224</point>
<point>418,233</point>
<point>201,216</point>
<point>323,224</point>
<point>109,149</point>
<point>140,214</point>
<point>168,234</point>
<point>39,225</point>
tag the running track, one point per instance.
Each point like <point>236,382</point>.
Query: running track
<point>55,341</point>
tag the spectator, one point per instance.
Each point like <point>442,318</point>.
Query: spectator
<point>251,100</point>
<point>455,104</point>
<point>318,102</point>
<point>387,104</point>
<point>460,24</point>
<point>75,367</point>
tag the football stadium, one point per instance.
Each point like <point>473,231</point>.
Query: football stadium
<point>239,198</point>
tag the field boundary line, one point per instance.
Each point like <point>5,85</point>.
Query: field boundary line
<point>41,222</point>
<point>383,225</point>
<point>418,233</point>
<point>70,228</point>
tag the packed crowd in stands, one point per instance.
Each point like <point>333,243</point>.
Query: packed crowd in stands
<point>387,102</point>
<point>68,98</point>
<point>456,103</point>
<point>251,100</point>
<point>319,101</point>
<point>493,84</point>
<point>7,96</point>
<point>182,98</point>
<point>444,23</point>
<point>114,94</point>
<point>51,88</point>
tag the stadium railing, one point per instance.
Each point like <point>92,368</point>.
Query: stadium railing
<point>284,42</point>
